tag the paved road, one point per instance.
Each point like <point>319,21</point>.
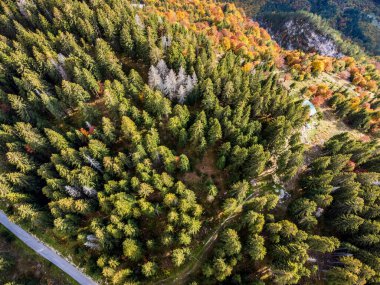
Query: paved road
<point>46,252</point>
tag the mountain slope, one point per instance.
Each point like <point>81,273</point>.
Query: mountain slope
<point>133,135</point>
<point>356,20</point>
<point>305,31</point>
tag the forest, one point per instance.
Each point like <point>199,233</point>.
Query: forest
<point>160,143</point>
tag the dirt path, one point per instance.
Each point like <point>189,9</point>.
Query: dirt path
<point>197,260</point>
<point>324,129</point>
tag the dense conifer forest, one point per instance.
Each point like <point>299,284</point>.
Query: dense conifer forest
<point>163,143</point>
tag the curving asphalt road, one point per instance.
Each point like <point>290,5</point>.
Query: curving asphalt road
<point>46,252</point>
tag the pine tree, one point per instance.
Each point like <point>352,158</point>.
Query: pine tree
<point>181,96</point>
<point>98,149</point>
<point>19,105</point>
<point>129,129</point>
<point>74,94</point>
<point>32,137</point>
<point>352,272</point>
<point>222,269</point>
<point>21,161</point>
<point>126,40</point>
<point>254,221</point>
<point>52,105</point>
<point>170,84</point>
<point>87,80</point>
<point>194,79</point>
<point>145,190</point>
<point>215,132</point>
<point>256,248</point>
<point>189,84</point>
<point>323,244</point>
<point>107,59</point>
<point>178,257</point>
<point>228,92</point>
<point>57,140</point>
<point>209,100</point>
<point>108,130</point>
<point>162,68</point>
<point>155,80</point>
<point>149,269</point>
<point>231,243</point>
<point>131,249</point>
<point>121,276</point>
<point>184,164</point>
<point>181,76</point>
<point>348,223</point>
<point>141,48</point>
<point>196,132</point>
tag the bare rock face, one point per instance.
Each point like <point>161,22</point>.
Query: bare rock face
<point>300,33</point>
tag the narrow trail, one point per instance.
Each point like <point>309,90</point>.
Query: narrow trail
<point>181,276</point>
<point>46,252</point>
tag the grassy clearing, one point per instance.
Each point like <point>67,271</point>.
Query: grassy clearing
<point>295,87</point>
<point>327,126</point>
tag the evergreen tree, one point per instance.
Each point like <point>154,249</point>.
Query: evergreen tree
<point>57,140</point>
<point>215,132</point>
<point>73,94</point>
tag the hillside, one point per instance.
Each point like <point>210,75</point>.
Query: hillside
<point>19,265</point>
<point>307,32</point>
<point>357,20</point>
<point>165,143</point>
